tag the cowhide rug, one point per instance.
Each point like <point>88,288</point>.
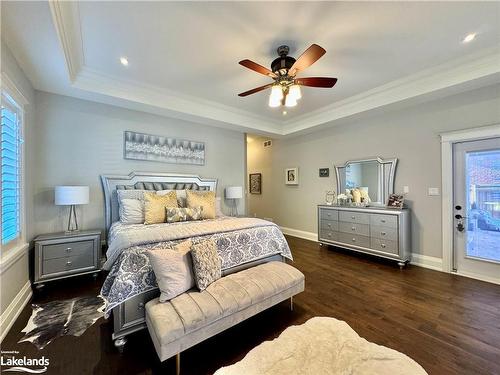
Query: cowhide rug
<point>322,346</point>
<point>59,318</point>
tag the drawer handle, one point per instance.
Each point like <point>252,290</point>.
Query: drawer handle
<point>140,306</point>
<point>382,245</point>
<point>353,217</point>
<point>353,228</point>
<point>329,225</point>
<point>68,249</point>
<point>383,233</point>
<point>382,220</point>
<point>68,263</point>
<point>353,240</point>
<point>328,214</point>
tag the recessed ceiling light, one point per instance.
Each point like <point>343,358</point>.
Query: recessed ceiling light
<point>124,61</point>
<point>469,38</point>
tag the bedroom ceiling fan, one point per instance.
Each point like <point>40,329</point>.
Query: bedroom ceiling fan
<point>285,90</point>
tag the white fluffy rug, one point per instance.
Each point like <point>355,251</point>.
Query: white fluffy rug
<point>322,346</point>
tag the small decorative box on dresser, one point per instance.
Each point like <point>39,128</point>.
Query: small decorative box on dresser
<point>378,231</point>
<point>61,255</point>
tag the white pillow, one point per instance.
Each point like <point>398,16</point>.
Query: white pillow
<point>181,196</point>
<point>131,211</point>
<point>218,209</point>
<point>173,270</point>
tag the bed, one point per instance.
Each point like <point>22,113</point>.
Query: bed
<point>242,243</point>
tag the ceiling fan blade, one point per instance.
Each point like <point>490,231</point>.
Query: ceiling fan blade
<point>257,89</point>
<point>309,57</point>
<point>316,82</point>
<point>257,68</point>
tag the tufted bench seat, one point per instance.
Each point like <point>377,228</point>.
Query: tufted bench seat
<point>194,316</point>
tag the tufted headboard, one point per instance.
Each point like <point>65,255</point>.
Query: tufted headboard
<point>147,181</point>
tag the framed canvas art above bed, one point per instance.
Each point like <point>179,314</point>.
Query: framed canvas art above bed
<point>139,146</point>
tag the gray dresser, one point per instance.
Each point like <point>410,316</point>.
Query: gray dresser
<point>61,255</point>
<point>378,231</point>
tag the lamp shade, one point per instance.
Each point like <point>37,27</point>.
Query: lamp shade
<point>234,192</point>
<point>68,195</point>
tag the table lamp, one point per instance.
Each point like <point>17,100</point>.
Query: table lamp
<point>71,196</point>
<point>234,193</point>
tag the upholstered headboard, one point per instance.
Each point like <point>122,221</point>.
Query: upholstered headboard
<point>147,181</point>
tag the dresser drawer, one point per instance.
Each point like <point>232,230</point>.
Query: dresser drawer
<point>328,235</point>
<point>63,250</point>
<point>134,309</point>
<point>354,217</point>
<point>390,221</point>
<point>68,264</point>
<point>384,233</point>
<point>354,239</point>
<point>328,214</point>
<point>354,228</point>
<point>386,246</point>
<point>330,225</point>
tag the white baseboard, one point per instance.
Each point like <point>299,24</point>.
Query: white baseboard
<point>12,312</point>
<point>300,234</point>
<point>419,260</point>
<point>426,261</point>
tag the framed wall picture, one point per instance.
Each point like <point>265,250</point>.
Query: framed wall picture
<point>292,176</point>
<point>324,172</point>
<point>396,201</point>
<point>255,183</point>
<point>139,146</point>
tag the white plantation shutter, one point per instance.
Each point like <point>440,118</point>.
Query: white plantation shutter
<point>11,170</point>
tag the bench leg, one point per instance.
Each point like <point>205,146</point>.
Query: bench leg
<point>178,364</point>
<point>291,303</point>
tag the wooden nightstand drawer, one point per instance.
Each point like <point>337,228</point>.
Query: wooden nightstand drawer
<point>62,250</point>
<point>68,264</point>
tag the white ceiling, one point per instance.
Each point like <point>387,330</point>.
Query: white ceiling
<point>183,56</point>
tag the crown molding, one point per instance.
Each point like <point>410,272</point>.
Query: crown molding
<point>66,17</point>
<point>468,72</point>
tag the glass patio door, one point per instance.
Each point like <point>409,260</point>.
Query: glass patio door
<point>477,208</point>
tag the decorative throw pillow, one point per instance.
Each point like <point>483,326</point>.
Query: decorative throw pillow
<point>206,263</point>
<point>176,214</point>
<point>181,196</point>
<point>218,208</point>
<point>155,205</point>
<point>205,199</point>
<point>173,270</point>
<point>132,211</point>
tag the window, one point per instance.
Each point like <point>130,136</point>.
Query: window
<point>11,170</point>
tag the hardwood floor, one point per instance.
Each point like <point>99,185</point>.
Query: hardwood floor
<point>448,324</point>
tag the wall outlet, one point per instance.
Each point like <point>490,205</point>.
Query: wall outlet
<point>433,191</point>
<point>406,189</point>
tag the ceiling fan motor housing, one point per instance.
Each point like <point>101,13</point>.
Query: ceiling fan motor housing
<point>282,64</point>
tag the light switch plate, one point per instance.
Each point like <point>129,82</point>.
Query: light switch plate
<point>433,191</point>
<point>406,189</point>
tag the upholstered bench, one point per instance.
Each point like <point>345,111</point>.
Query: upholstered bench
<point>194,316</point>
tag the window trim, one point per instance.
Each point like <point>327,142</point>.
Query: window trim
<point>15,98</point>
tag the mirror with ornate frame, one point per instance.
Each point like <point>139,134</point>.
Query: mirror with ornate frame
<point>374,176</point>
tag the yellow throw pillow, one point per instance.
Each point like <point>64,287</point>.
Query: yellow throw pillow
<point>205,199</point>
<point>154,206</point>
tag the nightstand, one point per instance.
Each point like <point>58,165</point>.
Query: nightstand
<point>61,255</point>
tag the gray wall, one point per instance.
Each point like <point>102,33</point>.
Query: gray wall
<point>14,277</point>
<point>78,140</point>
<point>410,134</point>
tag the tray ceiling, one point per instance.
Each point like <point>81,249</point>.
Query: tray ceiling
<point>183,55</point>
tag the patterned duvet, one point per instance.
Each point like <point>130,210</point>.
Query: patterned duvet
<point>131,274</point>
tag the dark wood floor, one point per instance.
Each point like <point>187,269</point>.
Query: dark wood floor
<point>449,324</point>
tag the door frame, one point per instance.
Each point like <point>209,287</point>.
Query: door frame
<point>448,227</point>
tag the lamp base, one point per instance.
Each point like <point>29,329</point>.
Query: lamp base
<point>72,221</point>
<point>234,209</point>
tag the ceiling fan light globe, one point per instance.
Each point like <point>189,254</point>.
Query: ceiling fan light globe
<point>277,92</point>
<point>290,101</point>
<point>274,102</point>
<point>294,92</point>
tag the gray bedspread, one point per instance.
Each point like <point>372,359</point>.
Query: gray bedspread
<point>131,273</point>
